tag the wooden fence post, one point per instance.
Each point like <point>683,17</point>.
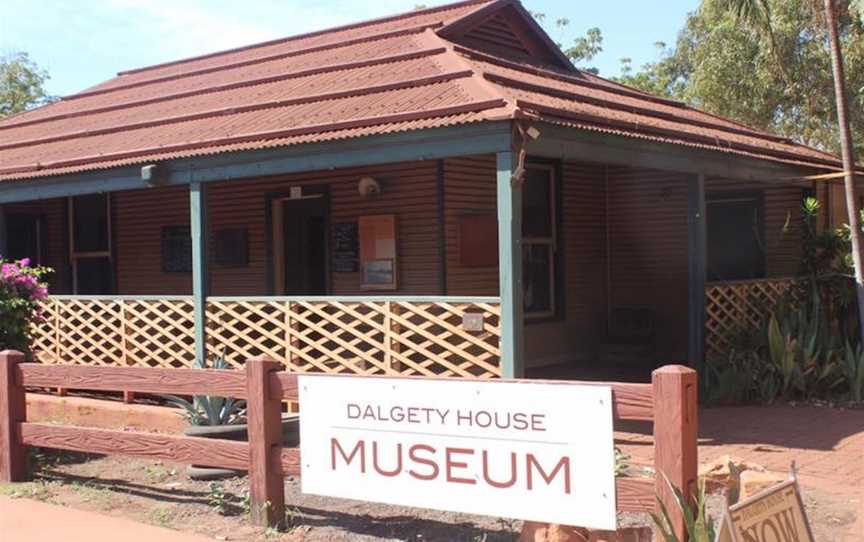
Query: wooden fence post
<point>13,455</point>
<point>675,432</point>
<point>264,412</point>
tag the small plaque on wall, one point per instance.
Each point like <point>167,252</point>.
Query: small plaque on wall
<point>345,255</point>
<point>478,240</point>
<point>378,260</point>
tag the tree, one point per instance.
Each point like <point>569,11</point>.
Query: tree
<point>848,154</point>
<point>716,47</point>
<point>757,14</point>
<point>21,84</point>
<point>582,49</point>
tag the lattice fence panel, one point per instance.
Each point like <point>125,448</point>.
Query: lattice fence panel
<point>361,337</point>
<point>44,333</point>
<point>735,307</point>
<point>386,337</point>
<point>115,331</point>
<point>240,330</point>
<point>430,340</point>
<point>159,333</point>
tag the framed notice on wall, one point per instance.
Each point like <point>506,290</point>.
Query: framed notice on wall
<point>378,262</point>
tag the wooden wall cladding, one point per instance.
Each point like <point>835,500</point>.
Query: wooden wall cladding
<point>469,190</point>
<point>478,240</point>
<point>583,240</point>
<point>139,216</point>
<point>648,259</point>
<point>408,191</point>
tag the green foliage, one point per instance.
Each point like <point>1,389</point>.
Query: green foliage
<point>581,49</point>
<point>209,409</point>
<point>585,48</point>
<point>217,499</point>
<point>622,462</point>
<point>699,526</point>
<point>22,84</point>
<point>21,290</point>
<point>852,365</point>
<point>775,53</point>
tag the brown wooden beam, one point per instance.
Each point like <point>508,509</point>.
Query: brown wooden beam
<point>13,456</point>
<point>200,451</point>
<point>224,383</point>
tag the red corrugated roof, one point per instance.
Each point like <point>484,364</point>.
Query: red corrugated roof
<point>382,76</point>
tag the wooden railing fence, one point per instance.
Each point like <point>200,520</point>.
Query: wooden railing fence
<point>670,402</point>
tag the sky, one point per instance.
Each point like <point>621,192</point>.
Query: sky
<point>83,42</point>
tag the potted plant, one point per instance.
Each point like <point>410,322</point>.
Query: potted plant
<point>223,418</point>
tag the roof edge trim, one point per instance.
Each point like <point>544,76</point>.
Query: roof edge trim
<point>271,134</point>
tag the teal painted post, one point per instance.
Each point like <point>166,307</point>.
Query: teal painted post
<point>200,278</point>
<point>697,257</point>
<point>510,267</point>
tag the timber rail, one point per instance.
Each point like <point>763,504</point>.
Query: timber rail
<point>670,402</point>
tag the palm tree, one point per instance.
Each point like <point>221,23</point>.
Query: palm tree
<point>758,14</point>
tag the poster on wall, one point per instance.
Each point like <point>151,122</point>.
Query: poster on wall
<point>378,262</point>
<point>531,451</point>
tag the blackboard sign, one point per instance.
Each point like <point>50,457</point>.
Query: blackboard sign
<point>345,247</point>
<point>176,249</point>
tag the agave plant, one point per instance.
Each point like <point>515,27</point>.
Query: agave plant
<point>210,409</point>
<point>852,365</point>
<point>699,526</point>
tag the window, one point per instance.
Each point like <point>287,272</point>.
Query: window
<point>735,232</point>
<point>539,242</point>
<point>176,249</point>
<point>90,244</point>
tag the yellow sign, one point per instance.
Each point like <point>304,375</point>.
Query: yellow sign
<point>774,515</point>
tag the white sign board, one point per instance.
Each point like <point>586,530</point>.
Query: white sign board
<point>532,451</point>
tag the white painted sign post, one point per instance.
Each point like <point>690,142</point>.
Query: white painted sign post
<point>533,451</point>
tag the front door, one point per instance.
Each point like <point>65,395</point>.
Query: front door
<point>304,233</point>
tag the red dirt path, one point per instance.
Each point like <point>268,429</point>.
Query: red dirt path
<point>827,445</point>
<point>24,520</point>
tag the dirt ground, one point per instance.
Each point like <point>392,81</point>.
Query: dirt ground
<point>161,494</point>
<point>827,444</point>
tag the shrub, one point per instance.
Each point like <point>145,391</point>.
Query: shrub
<point>21,290</point>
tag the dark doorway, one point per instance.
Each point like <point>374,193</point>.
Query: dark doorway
<point>304,230</point>
<point>25,238</point>
<point>735,233</point>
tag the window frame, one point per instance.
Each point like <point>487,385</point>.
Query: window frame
<point>552,241</point>
<point>757,197</point>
